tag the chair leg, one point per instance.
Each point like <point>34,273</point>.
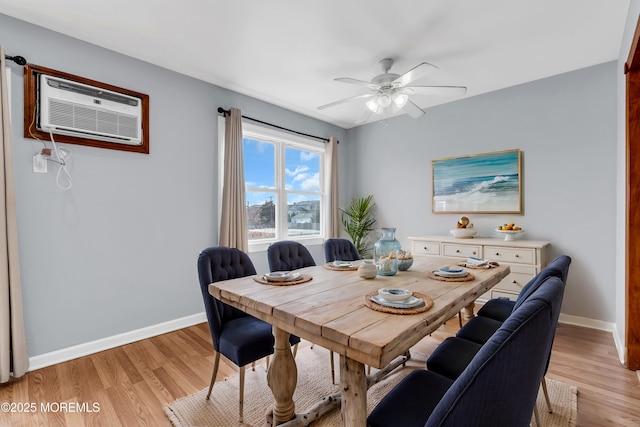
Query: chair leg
<point>460,318</point>
<point>333,370</point>
<point>267,362</point>
<point>546,394</point>
<point>253,365</point>
<point>216,363</point>
<point>241,387</point>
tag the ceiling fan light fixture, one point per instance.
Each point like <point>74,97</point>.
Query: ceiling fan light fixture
<point>384,100</point>
<point>400,99</point>
<point>372,104</point>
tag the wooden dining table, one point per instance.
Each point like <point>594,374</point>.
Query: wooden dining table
<point>332,309</point>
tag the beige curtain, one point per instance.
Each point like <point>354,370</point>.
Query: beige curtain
<point>332,169</point>
<point>13,343</point>
<point>233,222</point>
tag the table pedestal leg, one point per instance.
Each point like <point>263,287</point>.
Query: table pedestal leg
<point>353,382</point>
<point>468,311</point>
<point>282,377</point>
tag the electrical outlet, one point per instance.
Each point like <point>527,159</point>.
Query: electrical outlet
<point>39,163</point>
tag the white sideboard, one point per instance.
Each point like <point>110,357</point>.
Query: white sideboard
<point>525,257</point>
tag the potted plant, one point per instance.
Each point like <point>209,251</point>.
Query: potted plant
<point>358,222</point>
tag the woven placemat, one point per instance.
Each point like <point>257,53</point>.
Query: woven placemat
<point>428,303</point>
<point>330,266</point>
<point>469,277</point>
<point>303,278</point>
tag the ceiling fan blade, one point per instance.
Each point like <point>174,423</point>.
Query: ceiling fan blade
<point>342,101</point>
<point>356,82</point>
<point>436,90</point>
<point>412,109</point>
<point>415,73</point>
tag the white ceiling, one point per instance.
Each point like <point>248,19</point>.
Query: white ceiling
<point>287,52</point>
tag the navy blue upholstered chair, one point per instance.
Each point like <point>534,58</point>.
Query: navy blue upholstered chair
<point>501,308</point>
<point>499,386</point>
<point>453,355</point>
<point>492,314</point>
<point>340,250</point>
<point>287,255</point>
<point>239,337</point>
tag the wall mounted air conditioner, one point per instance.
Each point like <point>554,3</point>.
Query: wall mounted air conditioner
<point>70,108</point>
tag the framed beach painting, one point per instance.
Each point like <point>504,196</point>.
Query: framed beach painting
<point>478,183</point>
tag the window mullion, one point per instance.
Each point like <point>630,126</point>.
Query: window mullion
<point>281,208</point>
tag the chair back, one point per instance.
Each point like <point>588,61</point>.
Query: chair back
<point>500,385</point>
<point>287,255</point>
<point>216,264</point>
<point>559,267</point>
<point>341,250</point>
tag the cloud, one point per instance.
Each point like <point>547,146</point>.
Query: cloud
<point>298,170</point>
<point>305,156</point>
<point>309,182</point>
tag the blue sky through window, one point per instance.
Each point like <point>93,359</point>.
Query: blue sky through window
<point>302,170</point>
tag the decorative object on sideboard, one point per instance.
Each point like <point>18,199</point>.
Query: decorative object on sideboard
<point>510,230</point>
<point>464,229</point>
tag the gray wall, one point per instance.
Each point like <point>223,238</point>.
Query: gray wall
<point>118,251</point>
<point>565,126</point>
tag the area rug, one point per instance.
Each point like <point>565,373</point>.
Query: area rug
<point>314,382</point>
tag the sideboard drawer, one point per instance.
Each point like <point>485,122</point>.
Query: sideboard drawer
<point>428,248</point>
<point>507,254</point>
<point>520,275</point>
<point>463,251</point>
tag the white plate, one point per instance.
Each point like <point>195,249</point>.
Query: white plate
<point>453,270</point>
<point>281,276</point>
<point>342,264</point>
<point>411,302</point>
<point>445,274</point>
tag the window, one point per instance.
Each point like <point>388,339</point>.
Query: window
<point>284,187</point>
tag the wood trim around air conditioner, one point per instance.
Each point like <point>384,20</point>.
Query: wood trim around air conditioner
<point>31,73</point>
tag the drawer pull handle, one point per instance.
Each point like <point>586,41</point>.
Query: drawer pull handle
<point>517,256</point>
<point>497,253</point>
<point>515,281</point>
<point>457,251</point>
<point>474,252</point>
<point>425,248</point>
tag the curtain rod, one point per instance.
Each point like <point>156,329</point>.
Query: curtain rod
<point>227,112</point>
<point>17,59</point>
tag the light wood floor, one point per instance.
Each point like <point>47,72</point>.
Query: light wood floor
<point>131,384</point>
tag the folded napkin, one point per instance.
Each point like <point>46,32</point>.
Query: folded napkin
<point>475,263</point>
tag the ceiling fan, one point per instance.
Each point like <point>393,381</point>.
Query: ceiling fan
<point>390,92</point>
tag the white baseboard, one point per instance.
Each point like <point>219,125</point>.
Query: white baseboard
<point>597,324</point>
<point>73,352</point>
<point>586,322</point>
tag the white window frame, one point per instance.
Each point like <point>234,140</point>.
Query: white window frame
<point>282,141</point>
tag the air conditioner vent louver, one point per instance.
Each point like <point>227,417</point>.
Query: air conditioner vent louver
<point>70,116</point>
<point>76,109</point>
